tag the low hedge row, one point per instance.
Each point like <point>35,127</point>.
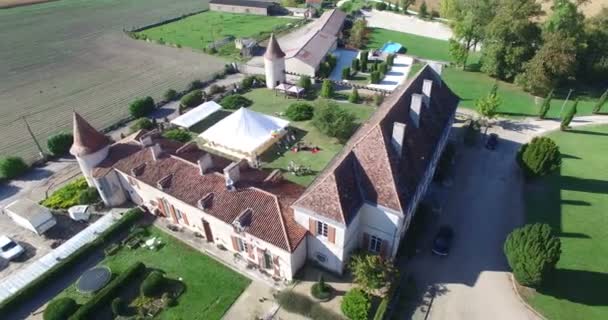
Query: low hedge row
<point>109,292</point>
<point>28,291</point>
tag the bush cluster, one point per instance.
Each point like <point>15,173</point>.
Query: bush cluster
<point>60,309</point>
<point>532,252</point>
<point>60,143</point>
<point>180,135</point>
<point>334,121</point>
<point>170,95</point>
<point>299,111</point>
<point>69,195</point>
<point>153,284</point>
<point>142,123</point>
<point>12,167</point>
<point>356,304</point>
<point>195,85</point>
<point>141,107</point>
<point>235,101</point>
<point>192,99</point>
<point>539,157</point>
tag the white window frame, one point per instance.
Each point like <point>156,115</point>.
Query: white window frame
<point>267,264</point>
<point>322,229</point>
<point>242,244</point>
<point>375,243</point>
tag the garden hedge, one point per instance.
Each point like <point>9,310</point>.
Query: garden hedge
<point>299,111</point>
<point>152,284</point>
<point>142,123</point>
<point>109,292</point>
<point>179,135</point>
<point>192,99</point>
<point>60,143</point>
<point>126,221</point>
<point>60,309</point>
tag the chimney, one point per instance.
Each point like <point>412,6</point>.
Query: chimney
<point>156,151</point>
<point>416,108</point>
<point>427,86</point>
<point>232,173</point>
<point>398,137</point>
<point>437,67</point>
<point>205,163</point>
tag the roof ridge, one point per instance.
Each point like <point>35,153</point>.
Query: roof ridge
<point>390,167</point>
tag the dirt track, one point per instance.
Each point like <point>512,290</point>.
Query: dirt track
<point>72,55</point>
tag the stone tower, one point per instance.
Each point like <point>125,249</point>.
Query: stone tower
<point>90,147</point>
<point>274,63</point>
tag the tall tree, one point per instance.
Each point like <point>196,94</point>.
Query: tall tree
<point>510,38</point>
<point>448,8</point>
<point>488,106</point>
<point>565,18</point>
<point>459,53</point>
<point>358,33</point>
<point>595,60</point>
<point>551,66</point>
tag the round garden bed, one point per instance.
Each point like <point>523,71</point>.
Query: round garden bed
<point>94,279</point>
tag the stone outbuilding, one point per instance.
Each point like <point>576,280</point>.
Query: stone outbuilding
<point>262,8</point>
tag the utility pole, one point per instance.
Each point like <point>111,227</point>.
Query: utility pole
<point>27,125</point>
<point>564,104</point>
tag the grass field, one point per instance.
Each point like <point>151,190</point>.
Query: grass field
<point>574,202</point>
<point>72,55</point>
<point>200,30</point>
<point>266,102</point>
<point>211,288</point>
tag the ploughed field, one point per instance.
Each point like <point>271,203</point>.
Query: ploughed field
<point>72,55</point>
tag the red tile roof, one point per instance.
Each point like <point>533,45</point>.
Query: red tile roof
<point>87,139</point>
<point>369,169</point>
<point>273,51</point>
<point>273,219</point>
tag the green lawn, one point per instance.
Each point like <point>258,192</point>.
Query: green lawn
<point>202,29</point>
<point>211,288</point>
<point>266,102</point>
<point>575,203</point>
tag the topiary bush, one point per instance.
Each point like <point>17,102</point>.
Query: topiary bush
<point>153,284</point>
<point>170,95</point>
<point>532,252</point>
<point>60,143</point>
<point>346,73</point>
<point>334,121</point>
<point>353,97</point>
<point>299,111</point>
<point>195,85</point>
<point>60,309</point>
<point>375,77</point>
<point>539,157</point>
<point>12,167</point>
<point>192,99</point>
<point>180,135</point>
<point>321,290</point>
<point>235,101</point>
<point>327,90</point>
<point>142,123</point>
<point>88,196</point>
<point>141,107</point>
<point>378,98</point>
<point>356,304</point>
<point>355,65</point>
<point>305,82</point>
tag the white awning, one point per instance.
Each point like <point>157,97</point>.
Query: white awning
<point>283,87</point>
<point>244,130</point>
<point>296,89</point>
<point>196,115</point>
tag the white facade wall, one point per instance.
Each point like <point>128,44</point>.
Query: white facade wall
<point>383,223</point>
<point>274,71</point>
<point>88,162</point>
<point>298,256</point>
<point>192,219</point>
<point>111,189</point>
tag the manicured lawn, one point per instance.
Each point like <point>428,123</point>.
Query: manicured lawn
<point>266,102</point>
<point>211,288</point>
<point>202,29</point>
<point>575,203</point>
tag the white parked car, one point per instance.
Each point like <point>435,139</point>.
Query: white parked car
<point>9,249</point>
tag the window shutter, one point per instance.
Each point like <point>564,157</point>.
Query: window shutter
<point>312,226</point>
<point>261,258</point>
<point>383,248</point>
<point>277,267</point>
<point>161,207</point>
<point>365,243</point>
<point>331,234</point>
<point>235,244</point>
<point>172,210</point>
<point>250,250</point>
<point>185,217</point>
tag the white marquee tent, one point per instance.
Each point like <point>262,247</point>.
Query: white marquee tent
<point>245,133</point>
<point>196,115</point>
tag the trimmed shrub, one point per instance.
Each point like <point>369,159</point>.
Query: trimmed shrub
<point>235,101</point>
<point>192,99</point>
<point>380,6</point>
<point>600,102</point>
<point>104,296</point>
<point>320,290</point>
<point>294,302</point>
<point>12,167</point>
<point>327,90</point>
<point>142,123</point>
<point>569,116</point>
<point>378,98</point>
<point>532,252</point>
<point>356,304</point>
<point>60,143</point>
<point>355,65</point>
<point>334,121</point>
<point>390,59</point>
<point>60,309</point>
<point>544,108</point>
<point>177,134</point>
<point>375,77</point>
<point>170,95</point>
<point>141,107</point>
<point>88,196</point>
<point>152,284</point>
<point>118,306</point>
<point>299,111</point>
<point>539,157</point>
<point>353,97</point>
<point>423,12</point>
<point>383,68</point>
<point>346,73</point>
<point>364,55</point>
<point>195,85</point>
<point>248,82</point>
<point>305,83</point>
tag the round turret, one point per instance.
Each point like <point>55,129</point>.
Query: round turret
<point>90,147</point>
<point>274,63</point>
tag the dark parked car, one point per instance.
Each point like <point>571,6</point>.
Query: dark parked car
<point>492,141</point>
<point>443,241</point>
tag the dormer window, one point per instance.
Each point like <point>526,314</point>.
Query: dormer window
<point>164,182</point>
<point>206,201</point>
<point>322,229</point>
<point>243,220</point>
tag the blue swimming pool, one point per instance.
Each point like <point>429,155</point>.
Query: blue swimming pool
<point>391,47</point>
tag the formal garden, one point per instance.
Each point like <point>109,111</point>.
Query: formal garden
<point>559,255</point>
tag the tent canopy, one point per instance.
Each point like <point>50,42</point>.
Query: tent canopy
<point>244,130</point>
<point>196,115</point>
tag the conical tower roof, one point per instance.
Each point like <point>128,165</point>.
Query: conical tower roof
<point>87,139</point>
<point>273,51</point>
